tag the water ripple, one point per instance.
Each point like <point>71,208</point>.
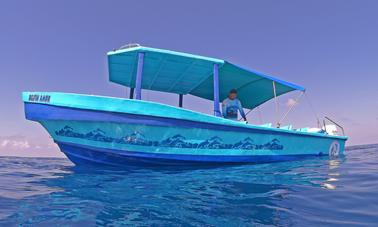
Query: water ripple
<point>312,192</point>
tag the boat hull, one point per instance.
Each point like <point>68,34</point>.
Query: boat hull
<point>87,155</point>
<point>103,137</point>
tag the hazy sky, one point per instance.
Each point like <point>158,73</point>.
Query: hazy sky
<point>329,47</point>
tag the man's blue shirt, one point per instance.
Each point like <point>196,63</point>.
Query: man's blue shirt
<point>230,108</point>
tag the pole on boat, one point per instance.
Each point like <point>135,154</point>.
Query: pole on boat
<point>131,96</point>
<point>181,98</point>
<point>216,90</point>
<point>138,80</point>
<point>276,101</point>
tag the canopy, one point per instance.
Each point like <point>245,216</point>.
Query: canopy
<point>183,73</point>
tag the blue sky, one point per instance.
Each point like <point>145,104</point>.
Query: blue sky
<point>329,47</point>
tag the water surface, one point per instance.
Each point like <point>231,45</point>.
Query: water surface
<point>311,192</point>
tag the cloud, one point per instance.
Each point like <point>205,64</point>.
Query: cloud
<point>19,145</point>
<point>291,102</point>
<point>14,144</point>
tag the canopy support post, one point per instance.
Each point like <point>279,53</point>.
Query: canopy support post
<point>276,102</point>
<point>138,80</point>
<point>216,90</point>
<point>181,99</point>
<point>131,95</point>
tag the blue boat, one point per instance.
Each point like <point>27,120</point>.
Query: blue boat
<point>121,132</point>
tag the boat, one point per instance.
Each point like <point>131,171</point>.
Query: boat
<point>92,129</point>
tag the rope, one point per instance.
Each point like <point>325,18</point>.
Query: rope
<point>260,116</point>
<point>291,107</point>
<point>313,110</point>
<point>245,114</point>
<point>259,112</point>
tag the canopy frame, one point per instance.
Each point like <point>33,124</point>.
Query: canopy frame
<point>216,90</point>
<point>139,75</point>
<point>141,67</point>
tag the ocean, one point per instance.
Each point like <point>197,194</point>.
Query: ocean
<point>310,192</point>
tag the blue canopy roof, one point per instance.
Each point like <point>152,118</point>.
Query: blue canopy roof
<point>183,73</point>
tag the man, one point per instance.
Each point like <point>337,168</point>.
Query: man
<point>231,106</point>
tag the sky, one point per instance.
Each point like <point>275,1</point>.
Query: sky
<point>328,47</point>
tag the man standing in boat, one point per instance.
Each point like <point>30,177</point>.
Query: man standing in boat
<point>231,106</point>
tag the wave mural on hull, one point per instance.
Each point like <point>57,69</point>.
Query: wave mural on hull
<point>176,141</point>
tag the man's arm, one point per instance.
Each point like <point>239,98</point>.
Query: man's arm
<point>241,111</point>
<point>224,107</point>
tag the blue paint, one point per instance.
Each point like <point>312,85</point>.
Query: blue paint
<point>162,68</point>
<point>139,76</point>
<point>176,141</point>
<point>82,154</point>
<point>156,137</point>
<point>37,112</point>
<point>266,76</point>
<point>143,108</point>
<point>216,90</point>
<point>159,130</point>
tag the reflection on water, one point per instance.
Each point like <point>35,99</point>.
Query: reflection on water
<point>309,192</point>
<point>333,174</point>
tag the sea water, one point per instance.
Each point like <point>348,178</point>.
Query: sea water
<point>310,192</point>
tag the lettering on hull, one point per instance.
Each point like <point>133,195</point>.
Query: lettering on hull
<point>39,98</point>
